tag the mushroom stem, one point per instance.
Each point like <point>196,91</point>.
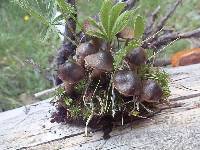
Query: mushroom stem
<point>96,42</point>
<point>132,67</point>
<point>96,73</point>
<point>81,61</point>
<point>69,88</point>
<point>109,47</point>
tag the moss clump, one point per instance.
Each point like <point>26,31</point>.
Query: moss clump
<point>148,72</point>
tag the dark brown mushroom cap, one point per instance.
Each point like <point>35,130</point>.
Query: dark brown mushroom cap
<point>101,60</point>
<point>99,43</point>
<point>70,72</point>
<point>127,83</point>
<point>85,49</point>
<point>151,91</point>
<point>136,57</point>
<point>126,33</point>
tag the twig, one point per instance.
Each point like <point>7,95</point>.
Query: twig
<point>168,38</point>
<point>147,109</point>
<point>151,21</point>
<point>69,38</point>
<point>167,15</point>
<point>70,26</point>
<point>48,91</point>
<point>154,56</point>
<point>129,3</point>
<point>158,41</point>
<point>147,40</point>
<point>162,62</point>
<point>190,34</point>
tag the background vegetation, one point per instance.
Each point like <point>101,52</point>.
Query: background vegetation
<point>21,39</point>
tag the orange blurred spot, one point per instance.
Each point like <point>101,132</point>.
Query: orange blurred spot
<point>186,57</point>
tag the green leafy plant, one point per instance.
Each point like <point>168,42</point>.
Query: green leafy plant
<point>139,27</point>
<point>48,16</point>
<point>112,21</point>
<point>34,9</point>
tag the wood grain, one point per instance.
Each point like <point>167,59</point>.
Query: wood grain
<point>172,129</point>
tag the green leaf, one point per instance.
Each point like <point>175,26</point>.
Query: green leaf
<point>66,7</point>
<point>93,23</point>
<point>133,16</point>
<point>68,11</point>
<point>38,16</point>
<point>33,12</point>
<point>139,27</point>
<point>96,25</point>
<point>104,14</point>
<point>114,14</point>
<point>120,23</point>
<point>97,34</point>
<point>58,18</point>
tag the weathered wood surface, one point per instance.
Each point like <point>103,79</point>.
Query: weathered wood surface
<point>173,129</point>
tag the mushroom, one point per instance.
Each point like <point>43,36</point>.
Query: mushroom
<point>136,57</point>
<point>151,91</point>
<point>70,73</point>
<point>127,83</point>
<point>99,43</point>
<point>84,50</point>
<point>101,62</point>
<point>126,33</point>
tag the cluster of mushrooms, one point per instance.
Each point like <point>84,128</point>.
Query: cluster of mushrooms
<point>93,63</point>
<point>94,60</point>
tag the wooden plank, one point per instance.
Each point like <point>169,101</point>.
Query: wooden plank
<point>176,128</point>
<point>31,126</point>
<point>172,129</point>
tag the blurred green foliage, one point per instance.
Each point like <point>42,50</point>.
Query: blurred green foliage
<point>88,8</point>
<point>20,39</point>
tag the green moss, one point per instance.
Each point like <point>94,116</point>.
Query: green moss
<point>147,72</point>
<point>80,86</point>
